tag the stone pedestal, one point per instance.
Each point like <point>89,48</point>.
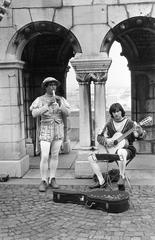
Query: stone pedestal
<point>13,158</point>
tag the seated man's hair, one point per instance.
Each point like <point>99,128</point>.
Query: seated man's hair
<point>115,107</point>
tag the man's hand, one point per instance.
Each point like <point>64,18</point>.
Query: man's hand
<point>51,101</point>
<point>109,142</point>
<point>137,130</point>
<point>58,100</point>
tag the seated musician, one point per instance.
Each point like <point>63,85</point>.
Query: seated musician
<point>117,123</point>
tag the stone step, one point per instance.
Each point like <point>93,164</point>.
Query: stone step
<point>67,177</point>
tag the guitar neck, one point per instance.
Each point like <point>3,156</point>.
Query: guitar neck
<point>146,121</point>
<point>125,135</point>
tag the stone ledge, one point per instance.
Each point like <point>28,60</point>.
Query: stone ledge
<point>15,168</point>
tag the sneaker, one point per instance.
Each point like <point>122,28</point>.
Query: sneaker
<point>53,184</point>
<point>43,186</point>
<point>121,184</point>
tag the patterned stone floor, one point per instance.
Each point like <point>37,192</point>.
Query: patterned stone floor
<point>26,214</point>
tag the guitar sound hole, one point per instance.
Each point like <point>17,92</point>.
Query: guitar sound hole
<point>115,142</point>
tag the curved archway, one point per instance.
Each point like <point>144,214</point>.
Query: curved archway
<point>137,37</point>
<point>46,49</point>
<point>35,29</point>
<point>118,85</point>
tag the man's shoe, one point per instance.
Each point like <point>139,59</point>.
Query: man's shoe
<point>43,186</point>
<point>121,184</point>
<point>53,184</point>
<point>96,185</point>
<point>104,185</point>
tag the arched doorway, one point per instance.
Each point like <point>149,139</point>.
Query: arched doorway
<point>137,36</point>
<point>118,86</point>
<point>45,48</point>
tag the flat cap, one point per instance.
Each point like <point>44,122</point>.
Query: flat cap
<point>50,79</point>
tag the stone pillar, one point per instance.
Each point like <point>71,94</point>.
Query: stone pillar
<point>66,143</point>
<point>85,103</point>
<point>99,101</point>
<point>13,158</point>
<point>83,78</point>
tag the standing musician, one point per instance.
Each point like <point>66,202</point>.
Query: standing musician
<point>118,123</point>
<point>52,109</point>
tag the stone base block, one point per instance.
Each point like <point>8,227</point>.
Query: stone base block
<point>153,146</point>
<point>143,146</point>
<point>83,168</point>
<point>66,147</point>
<point>30,149</point>
<point>15,168</point>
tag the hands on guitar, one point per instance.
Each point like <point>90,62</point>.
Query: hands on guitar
<point>137,130</point>
<point>113,142</point>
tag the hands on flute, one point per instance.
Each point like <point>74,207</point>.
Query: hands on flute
<point>54,100</point>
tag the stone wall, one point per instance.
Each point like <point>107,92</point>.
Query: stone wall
<point>88,20</point>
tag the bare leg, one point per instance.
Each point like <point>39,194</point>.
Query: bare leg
<point>45,148</point>
<point>55,148</point>
<point>122,163</point>
<point>93,162</point>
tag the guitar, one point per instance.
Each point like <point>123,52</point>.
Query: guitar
<point>119,138</point>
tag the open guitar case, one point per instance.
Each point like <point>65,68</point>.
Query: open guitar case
<point>107,200</point>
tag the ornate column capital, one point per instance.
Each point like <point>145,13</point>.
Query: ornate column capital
<point>83,78</point>
<point>99,77</point>
<point>88,70</point>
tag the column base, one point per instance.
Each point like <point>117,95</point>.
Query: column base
<point>144,146</point>
<point>15,168</point>
<point>30,149</point>
<point>66,147</point>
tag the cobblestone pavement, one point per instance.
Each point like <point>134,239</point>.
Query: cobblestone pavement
<point>26,214</point>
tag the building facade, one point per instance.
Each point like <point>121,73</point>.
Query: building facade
<point>38,38</point>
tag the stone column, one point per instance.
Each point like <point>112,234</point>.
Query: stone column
<point>13,158</point>
<point>85,113</point>
<point>83,78</point>
<point>66,143</point>
<point>99,101</point>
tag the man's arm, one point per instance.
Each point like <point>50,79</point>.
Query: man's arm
<point>37,109</point>
<point>64,106</point>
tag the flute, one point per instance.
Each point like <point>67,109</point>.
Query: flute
<point>54,96</point>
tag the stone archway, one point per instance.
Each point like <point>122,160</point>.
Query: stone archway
<point>45,48</point>
<point>137,36</point>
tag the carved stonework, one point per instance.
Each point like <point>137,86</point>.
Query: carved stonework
<point>88,70</point>
<point>99,77</point>
<point>91,65</point>
<point>83,78</point>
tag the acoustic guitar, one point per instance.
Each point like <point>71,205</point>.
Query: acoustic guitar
<point>119,138</point>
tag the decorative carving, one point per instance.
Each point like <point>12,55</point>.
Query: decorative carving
<point>91,65</point>
<point>83,78</point>
<point>3,8</point>
<point>88,70</point>
<point>100,77</point>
